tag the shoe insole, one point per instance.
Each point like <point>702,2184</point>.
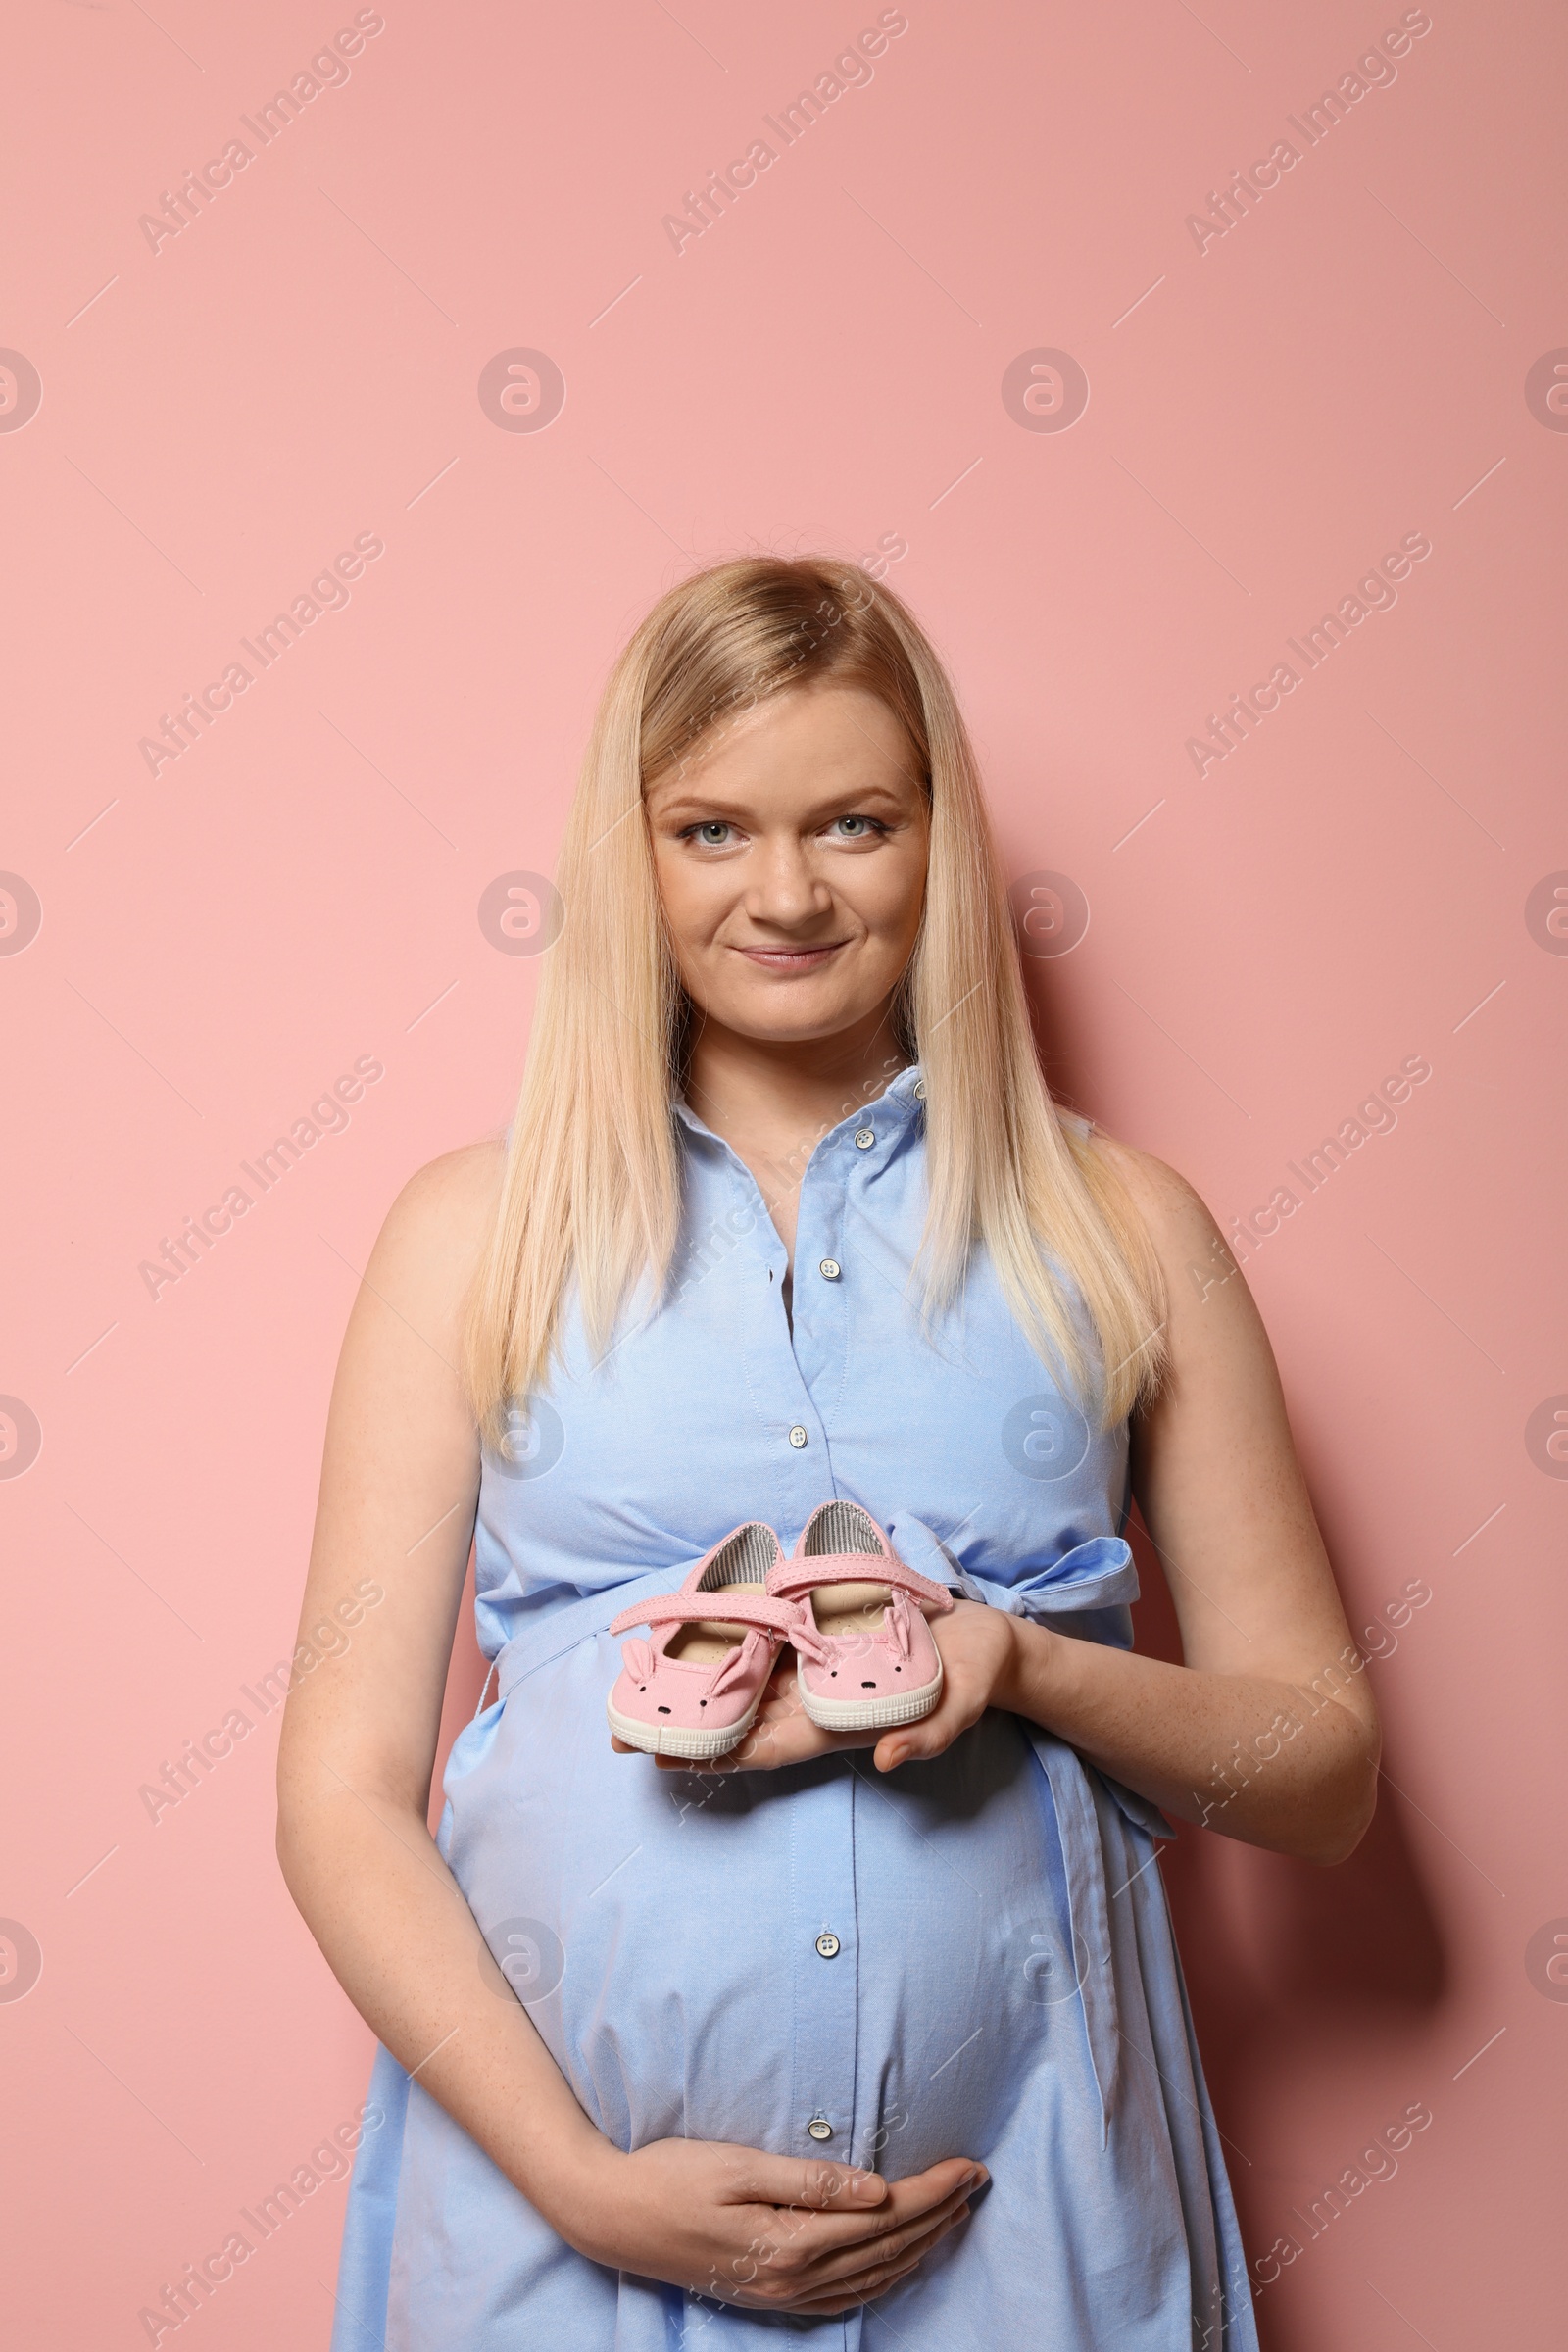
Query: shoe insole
<point>850,1608</point>
<point>707,1640</point>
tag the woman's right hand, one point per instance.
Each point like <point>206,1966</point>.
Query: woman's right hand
<point>768,2232</point>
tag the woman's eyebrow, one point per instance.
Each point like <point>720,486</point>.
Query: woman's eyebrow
<point>689,804</point>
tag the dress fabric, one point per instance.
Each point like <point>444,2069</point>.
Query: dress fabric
<point>997,1976</point>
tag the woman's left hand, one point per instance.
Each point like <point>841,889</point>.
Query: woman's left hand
<point>979,1652</point>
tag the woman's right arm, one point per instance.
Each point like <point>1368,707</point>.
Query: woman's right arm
<point>399,1491</point>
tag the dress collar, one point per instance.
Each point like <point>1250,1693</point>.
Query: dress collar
<point>903,1099</point>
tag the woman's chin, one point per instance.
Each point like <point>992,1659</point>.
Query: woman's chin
<point>801,1030</point>
<point>793,1009</point>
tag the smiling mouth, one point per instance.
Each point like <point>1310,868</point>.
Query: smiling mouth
<point>792,960</point>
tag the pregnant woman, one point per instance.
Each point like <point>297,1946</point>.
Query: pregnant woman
<point>875,2037</point>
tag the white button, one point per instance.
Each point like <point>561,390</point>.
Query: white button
<point>830,1269</point>
<point>799,1436</point>
<point>865,1138</point>
<point>820,2128</point>
<point>827,1943</point>
<point>919,1090</point>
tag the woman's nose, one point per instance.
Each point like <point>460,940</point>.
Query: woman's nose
<point>784,887</point>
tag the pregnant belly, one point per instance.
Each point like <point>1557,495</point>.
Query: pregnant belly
<point>737,1956</point>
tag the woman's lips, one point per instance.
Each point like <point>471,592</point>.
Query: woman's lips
<point>792,960</point>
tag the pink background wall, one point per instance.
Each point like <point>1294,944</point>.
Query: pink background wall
<point>1367,877</point>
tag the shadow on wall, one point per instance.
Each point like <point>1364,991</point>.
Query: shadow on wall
<point>1291,1968</point>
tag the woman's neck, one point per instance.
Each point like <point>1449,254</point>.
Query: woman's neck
<point>773,1103</point>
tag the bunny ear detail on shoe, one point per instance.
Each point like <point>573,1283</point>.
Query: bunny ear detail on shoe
<point>867,1656</point>
<point>693,1690</point>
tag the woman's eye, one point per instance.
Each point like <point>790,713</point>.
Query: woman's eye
<point>714,833</point>
<point>855,828</point>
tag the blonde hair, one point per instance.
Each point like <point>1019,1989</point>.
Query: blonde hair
<point>591,1189</point>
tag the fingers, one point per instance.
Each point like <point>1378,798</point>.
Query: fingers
<point>953,1714</point>
<point>888,2246</point>
<point>810,2181</point>
<point>832,2236</point>
<point>876,2281</point>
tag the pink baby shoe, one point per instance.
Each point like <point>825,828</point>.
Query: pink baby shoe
<point>694,1690</point>
<point>867,1656</point>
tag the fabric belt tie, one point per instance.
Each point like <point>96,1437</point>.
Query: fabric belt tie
<point>1093,1585</point>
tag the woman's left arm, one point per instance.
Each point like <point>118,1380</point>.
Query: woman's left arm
<point>1267,1732</point>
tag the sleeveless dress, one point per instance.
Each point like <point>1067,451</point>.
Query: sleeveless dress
<point>969,1956</point>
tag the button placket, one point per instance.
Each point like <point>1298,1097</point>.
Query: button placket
<point>825,1995</point>
<point>821,1283</point>
<point>776,1382</point>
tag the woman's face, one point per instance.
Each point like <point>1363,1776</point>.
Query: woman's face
<point>791,857</point>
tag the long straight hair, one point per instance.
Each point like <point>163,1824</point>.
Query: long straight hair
<point>591,1191</point>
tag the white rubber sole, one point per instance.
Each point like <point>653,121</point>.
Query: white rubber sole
<point>670,1740</point>
<point>871,1714</point>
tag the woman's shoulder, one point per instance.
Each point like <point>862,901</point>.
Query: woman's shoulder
<point>441,1219</point>
<point>1179,1220</point>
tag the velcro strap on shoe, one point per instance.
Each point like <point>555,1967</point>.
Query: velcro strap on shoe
<point>798,1577</point>
<point>726,1607</point>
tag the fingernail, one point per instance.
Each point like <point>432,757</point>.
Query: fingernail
<point>869,2186</point>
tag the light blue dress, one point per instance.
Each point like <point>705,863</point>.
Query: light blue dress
<point>970,1956</point>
